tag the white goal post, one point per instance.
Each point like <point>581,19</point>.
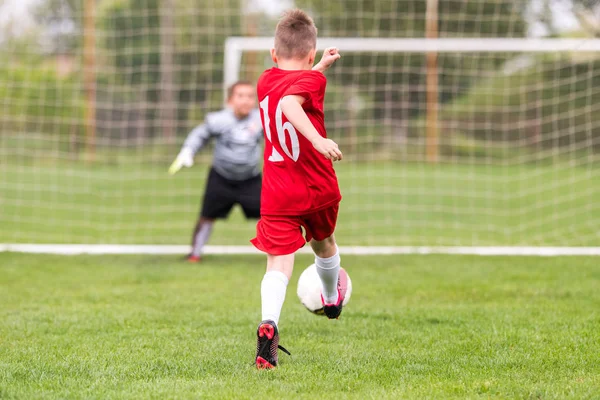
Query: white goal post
<point>534,203</point>
<point>235,46</point>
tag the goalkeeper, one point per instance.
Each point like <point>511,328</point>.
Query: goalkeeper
<point>234,177</point>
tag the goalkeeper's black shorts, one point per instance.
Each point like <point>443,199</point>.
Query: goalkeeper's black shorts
<point>222,194</point>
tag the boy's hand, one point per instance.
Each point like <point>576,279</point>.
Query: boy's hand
<point>330,55</point>
<point>185,158</point>
<point>328,148</point>
<point>291,106</point>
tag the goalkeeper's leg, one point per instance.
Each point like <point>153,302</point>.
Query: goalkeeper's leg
<point>219,198</point>
<point>200,237</point>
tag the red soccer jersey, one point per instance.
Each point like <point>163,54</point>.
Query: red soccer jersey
<point>297,180</point>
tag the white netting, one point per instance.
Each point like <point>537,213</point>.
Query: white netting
<point>519,130</point>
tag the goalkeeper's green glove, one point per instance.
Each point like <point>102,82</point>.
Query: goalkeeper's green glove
<point>185,158</point>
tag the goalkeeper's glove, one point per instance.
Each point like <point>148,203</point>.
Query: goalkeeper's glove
<point>185,158</point>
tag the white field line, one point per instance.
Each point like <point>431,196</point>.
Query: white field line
<point>72,249</point>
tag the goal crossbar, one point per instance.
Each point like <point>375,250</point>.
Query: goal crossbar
<point>235,46</point>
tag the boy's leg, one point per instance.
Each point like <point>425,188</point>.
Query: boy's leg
<point>279,237</point>
<point>327,260</point>
<point>274,285</point>
<point>201,235</point>
<point>334,279</point>
<point>272,290</point>
<point>219,198</point>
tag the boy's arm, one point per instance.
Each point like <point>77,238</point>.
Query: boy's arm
<point>330,55</point>
<point>291,106</point>
<point>197,138</point>
<point>194,142</point>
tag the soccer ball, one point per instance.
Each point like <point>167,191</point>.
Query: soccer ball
<point>309,290</point>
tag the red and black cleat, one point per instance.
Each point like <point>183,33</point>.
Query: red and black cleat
<point>333,311</point>
<point>267,344</point>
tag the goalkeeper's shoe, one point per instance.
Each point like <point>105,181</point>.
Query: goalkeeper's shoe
<point>267,344</point>
<point>193,259</point>
<point>333,311</point>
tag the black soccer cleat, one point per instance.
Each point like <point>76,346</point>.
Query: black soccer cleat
<point>333,311</point>
<point>267,344</point>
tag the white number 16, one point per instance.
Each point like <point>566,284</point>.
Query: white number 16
<point>281,130</point>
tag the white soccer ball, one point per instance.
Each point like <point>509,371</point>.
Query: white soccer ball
<point>309,290</point>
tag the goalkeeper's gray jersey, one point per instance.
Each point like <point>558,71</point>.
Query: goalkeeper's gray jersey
<point>237,147</point>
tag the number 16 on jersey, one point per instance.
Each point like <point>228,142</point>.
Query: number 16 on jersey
<point>282,129</point>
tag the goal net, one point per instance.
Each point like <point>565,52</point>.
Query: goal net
<point>483,137</point>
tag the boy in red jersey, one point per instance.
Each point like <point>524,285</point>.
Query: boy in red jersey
<point>300,188</point>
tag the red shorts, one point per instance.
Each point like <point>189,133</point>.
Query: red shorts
<point>279,235</point>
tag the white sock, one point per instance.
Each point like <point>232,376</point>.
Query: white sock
<point>329,270</point>
<point>272,291</point>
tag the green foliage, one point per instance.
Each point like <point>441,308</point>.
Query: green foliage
<point>417,327</point>
<point>498,18</point>
<point>406,18</point>
<point>479,105</point>
<point>131,48</point>
<point>132,43</point>
<point>552,103</point>
<point>400,78</point>
<point>37,100</point>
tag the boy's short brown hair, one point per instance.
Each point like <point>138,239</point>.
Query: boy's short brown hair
<point>231,89</point>
<point>295,35</point>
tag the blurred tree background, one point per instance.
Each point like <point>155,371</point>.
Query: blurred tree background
<point>159,69</point>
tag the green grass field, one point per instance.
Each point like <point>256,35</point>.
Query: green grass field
<point>385,203</point>
<point>417,327</point>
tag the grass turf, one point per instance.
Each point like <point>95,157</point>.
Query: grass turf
<point>384,204</point>
<point>416,327</point>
